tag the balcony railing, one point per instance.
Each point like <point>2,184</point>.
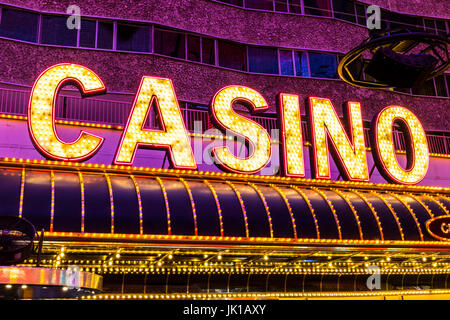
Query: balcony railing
<point>115,113</point>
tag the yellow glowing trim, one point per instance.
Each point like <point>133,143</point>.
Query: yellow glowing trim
<point>376,294</point>
<point>166,202</point>
<point>394,214</point>
<point>433,199</point>
<point>311,209</point>
<point>173,136</point>
<point>255,134</point>
<point>191,199</point>
<point>411,212</point>
<point>138,194</point>
<point>427,209</point>
<point>333,211</point>
<point>233,240</point>
<point>326,124</point>
<point>384,146</point>
<point>291,134</point>
<point>52,204</point>
<point>288,206</point>
<point>219,176</point>
<point>352,208</point>
<point>111,200</point>
<point>41,112</point>
<point>83,211</point>
<point>216,199</point>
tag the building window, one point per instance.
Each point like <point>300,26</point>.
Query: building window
<point>281,5</point>
<point>54,31</point>
<point>262,60</point>
<point>208,51</point>
<point>286,63</point>
<point>404,22</point>
<point>317,7</point>
<point>88,33</point>
<point>441,88</point>
<point>344,10</point>
<point>133,38</point>
<point>295,6</point>
<point>322,65</point>
<point>170,43</point>
<point>193,48</point>
<point>259,4</point>
<point>18,24</point>
<point>105,35</point>
<point>232,55</point>
<point>301,64</point>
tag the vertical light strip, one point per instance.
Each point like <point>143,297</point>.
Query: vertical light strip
<point>138,194</point>
<point>352,208</point>
<point>411,212</point>
<point>22,191</point>
<point>219,210</point>
<point>443,196</point>
<point>438,203</point>
<point>194,212</point>
<point>323,195</point>
<point>111,199</point>
<point>244,212</point>
<point>286,201</point>
<point>166,201</point>
<point>80,176</point>
<point>422,204</point>
<point>378,195</point>
<point>311,209</point>
<point>263,199</point>
<point>372,209</point>
<point>52,203</point>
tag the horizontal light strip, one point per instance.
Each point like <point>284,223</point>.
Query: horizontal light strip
<point>259,295</point>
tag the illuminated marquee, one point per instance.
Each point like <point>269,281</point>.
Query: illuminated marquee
<point>347,146</point>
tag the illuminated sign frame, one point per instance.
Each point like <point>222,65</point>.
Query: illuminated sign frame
<point>413,146</point>
<point>250,97</point>
<point>36,103</point>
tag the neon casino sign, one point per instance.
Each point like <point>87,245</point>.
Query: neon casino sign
<point>347,146</point>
